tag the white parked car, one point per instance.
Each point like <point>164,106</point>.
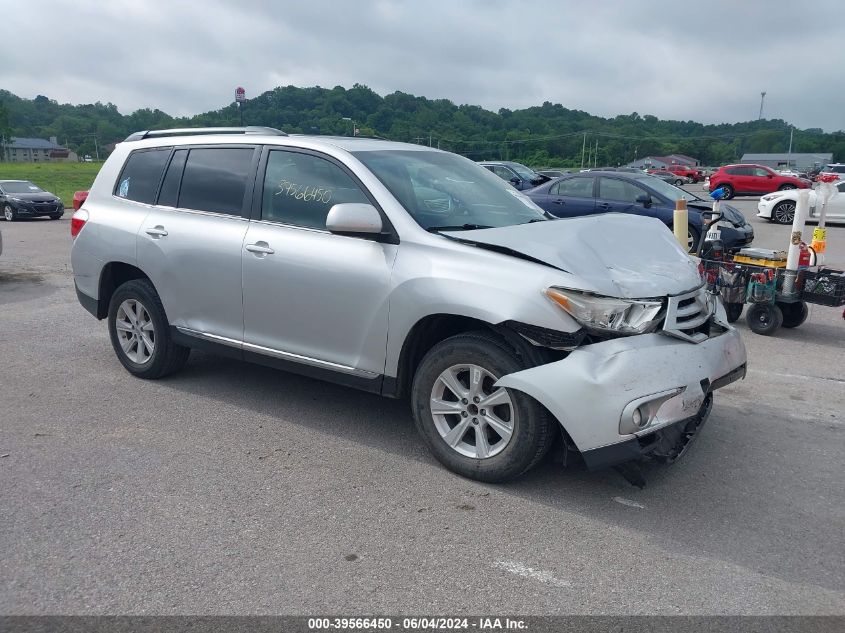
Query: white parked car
<point>779,206</point>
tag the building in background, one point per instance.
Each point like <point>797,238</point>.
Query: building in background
<point>37,150</point>
<point>798,162</point>
<point>664,162</point>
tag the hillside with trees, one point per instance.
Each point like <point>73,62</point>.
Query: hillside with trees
<point>545,135</point>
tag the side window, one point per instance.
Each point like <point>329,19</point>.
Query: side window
<point>576,187</point>
<point>169,194</point>
<point>619,190</point>
<point>841,187</point>
<point>141,174</point>
<point>760,172</point>
<point>215,179</point>
<point>300,189</point>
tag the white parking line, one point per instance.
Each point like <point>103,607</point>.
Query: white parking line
<point>628,502</point>
<point>519,569</point>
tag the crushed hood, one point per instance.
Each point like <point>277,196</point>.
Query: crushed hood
<point>615,255</point>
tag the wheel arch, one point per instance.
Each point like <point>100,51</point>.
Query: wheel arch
<point>431,329</point>
<point>113,275</point>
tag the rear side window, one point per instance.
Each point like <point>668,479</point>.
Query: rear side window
<point>215,179</point>
<point>300,189</point>
<point>577,187</point>
<point>140,176</point>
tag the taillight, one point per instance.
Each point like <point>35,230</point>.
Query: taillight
<point>77,221</point>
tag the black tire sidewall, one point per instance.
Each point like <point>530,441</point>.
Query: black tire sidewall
<point>528,436</point>
<point>775,318</point>
<point>142,291</point>
<point>794,314</point>
<point>774,213</point>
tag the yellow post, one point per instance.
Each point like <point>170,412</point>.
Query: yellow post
<point>680,224</point>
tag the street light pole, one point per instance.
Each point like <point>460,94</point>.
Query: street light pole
<point>346,118</point>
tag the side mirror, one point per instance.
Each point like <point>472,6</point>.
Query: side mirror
<point>515,181</point>
<point>354,218</point>
<point>644,199</point>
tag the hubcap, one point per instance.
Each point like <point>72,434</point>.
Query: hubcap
<point>473,417</point>
<point>785,212</point>
<point>690,241</point>
<point>8,213</point>
<point>135,331</point>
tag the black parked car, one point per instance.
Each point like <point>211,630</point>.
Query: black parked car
<point>595,192</point>
<point>22,199</point>
<point>517,174</point>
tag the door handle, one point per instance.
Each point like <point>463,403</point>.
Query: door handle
<point>604,206</point>
<point>260,248</point>
<point>559,201</point>
<point>156,231</point>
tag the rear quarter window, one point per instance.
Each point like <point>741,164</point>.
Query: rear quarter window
<point>141,175</point>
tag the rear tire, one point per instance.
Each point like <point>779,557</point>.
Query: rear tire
<point>453,434</point>
<point>794,314</point>
<point>678,182</point>
<point>764,318</point>
<point>140,332</point>
<point>786,187</point>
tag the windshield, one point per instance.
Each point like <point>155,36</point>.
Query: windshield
<point>441,190</point>
<point>21,187</point>
<point>668,191</point>
<point>524,172</point>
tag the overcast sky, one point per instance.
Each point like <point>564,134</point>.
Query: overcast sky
<point>703,61</point>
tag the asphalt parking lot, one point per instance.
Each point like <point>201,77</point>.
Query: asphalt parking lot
<point>232,489</point>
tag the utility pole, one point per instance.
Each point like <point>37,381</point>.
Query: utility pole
<point>596,156</point>
<point>583,147</point>
<point>762,98</point>
<point>789,151</point>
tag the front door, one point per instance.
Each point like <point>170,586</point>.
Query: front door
<point>312,297</point>
<point>569,197</point>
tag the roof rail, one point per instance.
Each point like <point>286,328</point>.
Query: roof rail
<point>198,131</point>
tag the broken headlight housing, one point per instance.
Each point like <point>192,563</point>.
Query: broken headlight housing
<point>609,314</point>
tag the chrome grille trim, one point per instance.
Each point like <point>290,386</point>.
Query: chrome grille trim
<point>686,312</point>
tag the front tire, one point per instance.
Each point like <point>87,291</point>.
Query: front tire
<point>729,191</point>
<point>474,429</point>
<point>140,333</point>
<point>56,216</point>
<point>9,213</point>
<point>784,212</point>
<point>764,318</point>
<point>679,182</point>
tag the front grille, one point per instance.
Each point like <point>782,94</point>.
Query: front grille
<point>688,315</point>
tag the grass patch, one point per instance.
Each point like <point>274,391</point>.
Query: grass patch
<point>61,179</point>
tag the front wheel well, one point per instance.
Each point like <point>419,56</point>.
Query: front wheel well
<point>432,329</point>
<point>114,275</point>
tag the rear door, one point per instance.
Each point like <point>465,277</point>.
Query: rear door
<point>570,197</point>
<point>190,243</point>
<point>312,297</point>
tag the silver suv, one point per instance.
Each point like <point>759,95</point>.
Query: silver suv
<point>408,272</point>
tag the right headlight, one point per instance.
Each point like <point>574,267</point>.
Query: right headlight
<point>609,314</point>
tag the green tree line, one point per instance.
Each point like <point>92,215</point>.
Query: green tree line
<point>547,135</point>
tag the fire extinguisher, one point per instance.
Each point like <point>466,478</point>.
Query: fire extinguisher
<point>803,256</point>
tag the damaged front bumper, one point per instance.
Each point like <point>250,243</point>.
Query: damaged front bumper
<point>622,398</point>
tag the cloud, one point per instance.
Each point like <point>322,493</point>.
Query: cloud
<point>703,62</point>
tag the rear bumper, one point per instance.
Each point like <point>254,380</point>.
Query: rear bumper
<point>594,391</point>
<point>89,303</point>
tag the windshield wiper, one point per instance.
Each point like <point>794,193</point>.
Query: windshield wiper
<point>533,220</point>
<point>457,227</point>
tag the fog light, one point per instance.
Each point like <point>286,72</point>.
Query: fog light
<point>637,418</point>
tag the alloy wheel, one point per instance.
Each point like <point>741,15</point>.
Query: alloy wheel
<point>472,416</point>
<point>785,212</point>
<point>8,213</point>
<point>135,331</point>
